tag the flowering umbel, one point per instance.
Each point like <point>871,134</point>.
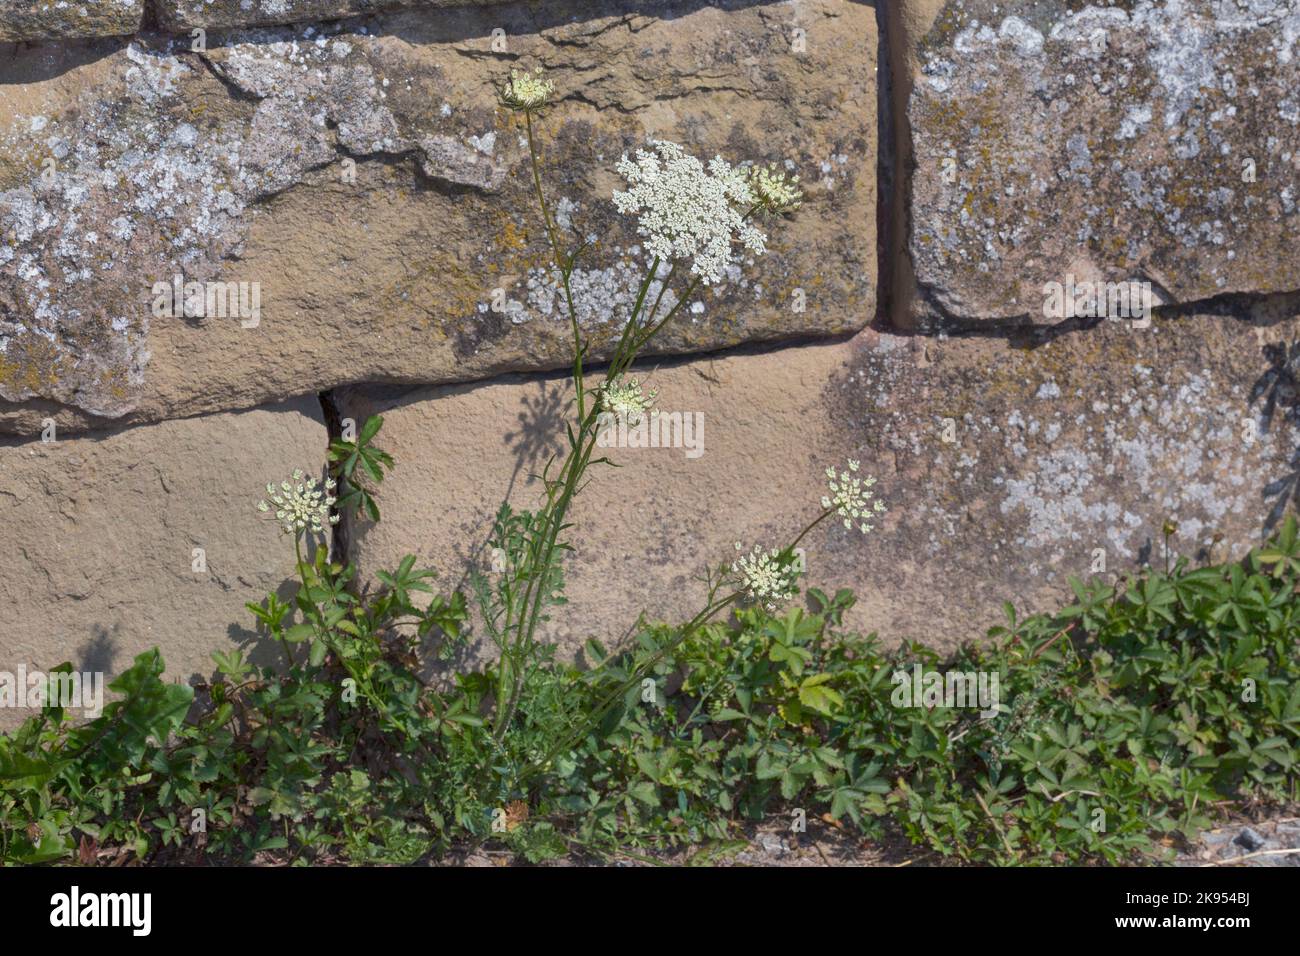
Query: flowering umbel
<point>764,577</point>
<point>626,399</point>
<point>300,503</point>
<point>851,497</point>
<point>775,190</point>
<point>685,211</point>
<point>527,92</point>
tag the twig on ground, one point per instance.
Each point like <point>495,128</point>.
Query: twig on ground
<point>1251,856</point>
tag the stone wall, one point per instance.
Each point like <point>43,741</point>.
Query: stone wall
<point>372,154</point>
<point>345,164</point>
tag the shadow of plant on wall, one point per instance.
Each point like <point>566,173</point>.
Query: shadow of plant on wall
<point>100,651</point>
<point>1279,390</point>
<point>541,427</point>
<point>541,421</point>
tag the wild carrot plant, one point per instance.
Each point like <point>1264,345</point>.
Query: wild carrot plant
<point>692,218</point>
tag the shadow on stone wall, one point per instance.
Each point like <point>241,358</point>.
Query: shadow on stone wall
<point>99,654</point>
<point>1279,391</point>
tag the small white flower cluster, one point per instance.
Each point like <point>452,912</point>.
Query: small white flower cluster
<point>687,212</point>
<point>300,504</point>
<point>626,399</point>
<point>776,190</point>
<point>852,497</point>
<point>527,92</point>
<point>764,578</point>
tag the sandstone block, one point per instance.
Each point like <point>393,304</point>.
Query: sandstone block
<point>1007,467</point>
<point>99,560</point>
<point>1152,141</point>
<point>223,14</point>
<point>352,204</point>
<point>59,19</point>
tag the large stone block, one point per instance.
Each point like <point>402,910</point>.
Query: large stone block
<point>645,531</point>
<point>362,181</point>
<point>1008,467</point>
<point>99,560</point>
<point>1156,141</point>
<point>53,19</point>
<point>209,14</point>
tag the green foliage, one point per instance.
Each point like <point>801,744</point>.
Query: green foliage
<point>357,465</point>
<point>1123,719</point>
<point>310,761</point>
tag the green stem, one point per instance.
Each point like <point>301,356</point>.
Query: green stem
<point>541,555</point>
<point>575,465</point>
<point>650,333</point>
<point>297,550</point>
<point>560,265</point>
<point>538,561</point>
<point>517,640</point>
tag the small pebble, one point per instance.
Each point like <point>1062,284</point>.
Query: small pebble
<point>772,844</point>
<point>1249,839</point>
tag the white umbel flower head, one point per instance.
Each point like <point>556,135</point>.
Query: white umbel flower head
<point>626,399</point>
<point>687,212</point>
<point>775,190</point>
<point>300,503</point>
<point>527,92</point>
<point>851,497</point>
<point>764,577</point>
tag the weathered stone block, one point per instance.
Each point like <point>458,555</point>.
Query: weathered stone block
<point>218,14</point>
<point>99,561</point>
<point>1148,140</point>
<point>54,19</point>
<point>1007,468</point>
<point>361,189</point>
